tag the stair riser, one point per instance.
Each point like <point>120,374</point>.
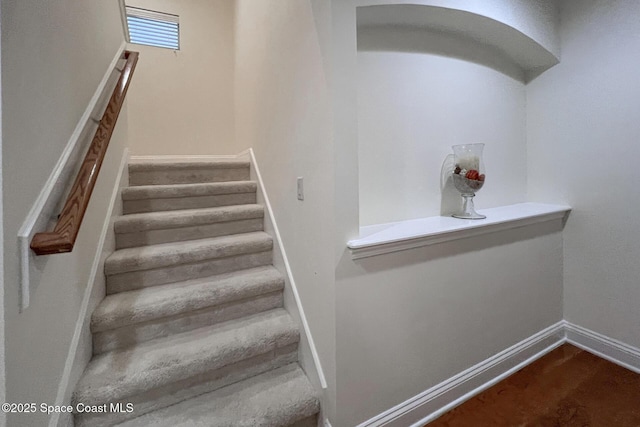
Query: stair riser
<point>188,176</point>
<point>307,422</point>
<point>162,397</point>
<point>130,335</point>
<point>145,278</point>
<point>153,237</point>
<point>196,202</point>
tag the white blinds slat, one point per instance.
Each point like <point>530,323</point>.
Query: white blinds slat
<point>153,28</point>
<point>151,14</point>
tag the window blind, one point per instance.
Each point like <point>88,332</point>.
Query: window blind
<point>153,28</point>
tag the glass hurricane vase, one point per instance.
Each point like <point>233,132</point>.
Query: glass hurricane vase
<point>468,177</point>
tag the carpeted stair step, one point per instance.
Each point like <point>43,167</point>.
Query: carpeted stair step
<point>128,318</point>
<point>135,268</point>
<point>152,173</point>
<point>190,224</point>
<point>166,371</point>
<point>282,397</point>
<point>150,198</point>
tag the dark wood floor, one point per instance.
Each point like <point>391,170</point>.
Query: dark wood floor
<point>568,387</point>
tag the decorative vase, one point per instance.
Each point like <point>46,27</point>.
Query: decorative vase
<point>468,177</point>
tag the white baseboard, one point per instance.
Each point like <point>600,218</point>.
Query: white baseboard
<point>613,350</point>
<point>430,404</point>
<point>74,365</point>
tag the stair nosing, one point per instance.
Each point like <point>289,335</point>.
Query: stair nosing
<point>108,319</point>
<point>186,252</point>
<point>173,355</point>
<point>133,193</point>
<point>217,164</point>
<point>162,220</point>
<point>288,380</point>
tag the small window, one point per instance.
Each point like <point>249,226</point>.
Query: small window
<point>153,28</point>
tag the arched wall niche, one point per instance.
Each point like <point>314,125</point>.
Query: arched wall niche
<point>451,32</point>
<point>429,77</point>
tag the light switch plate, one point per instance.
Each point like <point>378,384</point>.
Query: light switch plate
<point>300,181</point>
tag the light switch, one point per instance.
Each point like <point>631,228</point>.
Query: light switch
<point>300,188</point>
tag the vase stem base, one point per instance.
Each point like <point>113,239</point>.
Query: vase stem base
<point>468,210</point>
<point>469,216</point>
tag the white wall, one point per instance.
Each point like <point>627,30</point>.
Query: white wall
<point>408,320</point>
<point>282,111</point>
<point>583,145</point>
<point>182,101</point>
<point>412,107</point>
<point>54,54</point>
<point>3,388</point>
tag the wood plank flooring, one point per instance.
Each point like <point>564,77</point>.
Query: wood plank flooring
<point>568,387</point>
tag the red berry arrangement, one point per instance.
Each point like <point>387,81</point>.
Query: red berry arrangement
<point>468,180</point>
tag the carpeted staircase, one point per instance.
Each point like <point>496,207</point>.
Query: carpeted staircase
<point>193,331</point>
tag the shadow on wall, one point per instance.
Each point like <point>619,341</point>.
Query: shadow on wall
<point>420,40</point>
<point>452,33</point>
<point>450,200</point>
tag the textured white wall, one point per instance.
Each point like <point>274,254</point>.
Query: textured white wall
<point>54,55</point>
<point>283,113</point>
<point>583,132</point>
<point>412,108</point>
<point>182,101</point>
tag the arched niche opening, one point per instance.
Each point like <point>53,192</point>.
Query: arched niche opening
<point>430,77</point>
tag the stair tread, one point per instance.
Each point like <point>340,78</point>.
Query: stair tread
<point>186,218</point>
<point>219,164</point>
<point>166,254</point>
<point>132,307</point>
<point>168,191</point>
<point>276,398</point>
<point>118,374</point>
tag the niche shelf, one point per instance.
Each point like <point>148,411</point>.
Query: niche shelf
<point>398,236</point>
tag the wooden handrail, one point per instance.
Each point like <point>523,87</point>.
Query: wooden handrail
<point>64,234</point>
